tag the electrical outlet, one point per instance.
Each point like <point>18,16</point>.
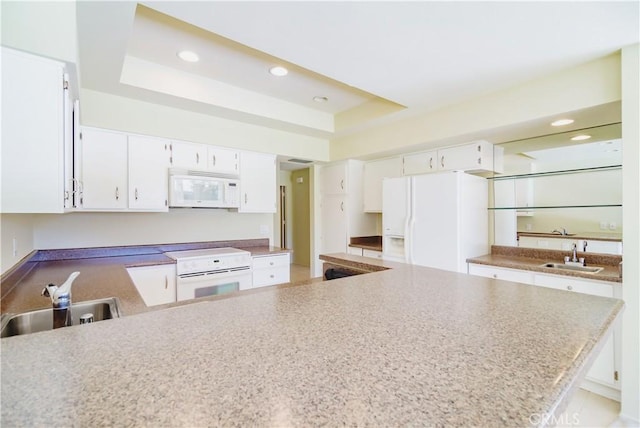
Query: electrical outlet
<point>612,225</point>
<point>15,247</point>
<point>603,225</point>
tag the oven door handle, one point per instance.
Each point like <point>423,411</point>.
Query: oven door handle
<point>208,277</point>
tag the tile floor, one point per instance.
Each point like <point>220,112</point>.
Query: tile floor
<point>586,410</point>
<point>590,410</point>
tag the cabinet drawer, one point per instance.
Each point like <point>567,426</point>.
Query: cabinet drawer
<point>270,276</point>
<point>356,251</point>
<point>501,273</point>
<point>372,253</point>
<point>271,261</point>
<point>596,288</point>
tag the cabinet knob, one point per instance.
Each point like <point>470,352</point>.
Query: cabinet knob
<point>272,276</point>
<point>569,287</point>
<point>117,193</point>
<point>495,275</point>
<point>431,162</point>
<point>442,161</point>
<point>271,263</point>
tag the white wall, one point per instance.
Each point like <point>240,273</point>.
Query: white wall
<point>125,114</point>
<point>20,228</point>
<point>631,237</point>
<point>588,85</point>
<point>41,27</point>
<point>80,230</point>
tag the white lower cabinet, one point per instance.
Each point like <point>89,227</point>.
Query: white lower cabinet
<point>372,253</point>
<point>514,275</point>
<point>603,377</point>
<point>356,251</point>
<point>156,284</point>
<point>271,269</point>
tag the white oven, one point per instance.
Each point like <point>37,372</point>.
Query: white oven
<point>209,272</point>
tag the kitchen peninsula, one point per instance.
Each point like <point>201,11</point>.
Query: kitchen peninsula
<point>408,345</point>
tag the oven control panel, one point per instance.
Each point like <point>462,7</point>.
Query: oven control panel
<point>199,261</point>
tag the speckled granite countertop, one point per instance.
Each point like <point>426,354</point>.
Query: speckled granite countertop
<point>102,274</point>
<point>408,346</point>
<point>531,259</point>
<point>373,243</point>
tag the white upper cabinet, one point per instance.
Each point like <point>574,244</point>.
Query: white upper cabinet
<point>223,161</point>
<point>148,166</point>
<point>188,155</point>
<point>473,157</point>
<point>34,131</point>
<point>333,179</point>
<point>102,170</point>
<point>374,172</point>
<point>420,163</point>
<point>257,183</point>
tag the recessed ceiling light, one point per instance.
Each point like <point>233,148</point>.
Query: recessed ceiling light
<point>278,71</point>
<point>188,56</point>
<point>580,137</point>
<point>562,122</point>
<point>319,99</point>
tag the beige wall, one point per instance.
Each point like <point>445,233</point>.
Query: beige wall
<point>588,85</point>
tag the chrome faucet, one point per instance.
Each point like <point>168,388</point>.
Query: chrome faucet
<point>561,232</point>
<point>61,301</point>
<point>574,253</point>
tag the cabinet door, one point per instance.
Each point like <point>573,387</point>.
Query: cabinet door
<point>477,156</point>
<point>501,273</point>
<point>372,253</point>
<point>148,181</point>
<point>156,284</point>
<point>257,183</point>
<point>334,224</point>
<point>188,155</point>
<point>223,161</point>
<point>32,134</point>
<point>420,163</point>
<point>395,206</point>
<point>333,179</point>
<point>103,175</point>
<point>356,251</point>
<point>374,173</point>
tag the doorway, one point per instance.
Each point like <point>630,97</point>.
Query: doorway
<point>283,216</point>
<point>301,217</point>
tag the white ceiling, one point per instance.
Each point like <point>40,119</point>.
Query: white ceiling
<point>406,56</point>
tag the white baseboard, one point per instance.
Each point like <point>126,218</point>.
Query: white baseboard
<point>603,390</point>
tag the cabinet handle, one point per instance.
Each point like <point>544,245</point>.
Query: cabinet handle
<point>341,206</point>
<point>342,184</point>
<point>569,287</point>
<point>431,162</point>
<point>442,161</point>
<point>136,193</point>
<point>272,276</point>
<point>214,160</point>
<point>479,161</point>
<point>117,193</point>
<point>197,157</point>
<point>271,263</point>
<point>479,148</point>
<point>166,282</point>
<point>495,275</point>
<point>245,198</point>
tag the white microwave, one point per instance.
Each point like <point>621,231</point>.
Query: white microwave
<point>201,189</point>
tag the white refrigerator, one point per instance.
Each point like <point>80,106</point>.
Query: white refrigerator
<point>436,220</point>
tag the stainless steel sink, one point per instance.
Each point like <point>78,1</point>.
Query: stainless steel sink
<point>42,320</point>
<point>562,266</point>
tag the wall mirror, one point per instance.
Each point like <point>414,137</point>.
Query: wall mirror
<point>561,189</point>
